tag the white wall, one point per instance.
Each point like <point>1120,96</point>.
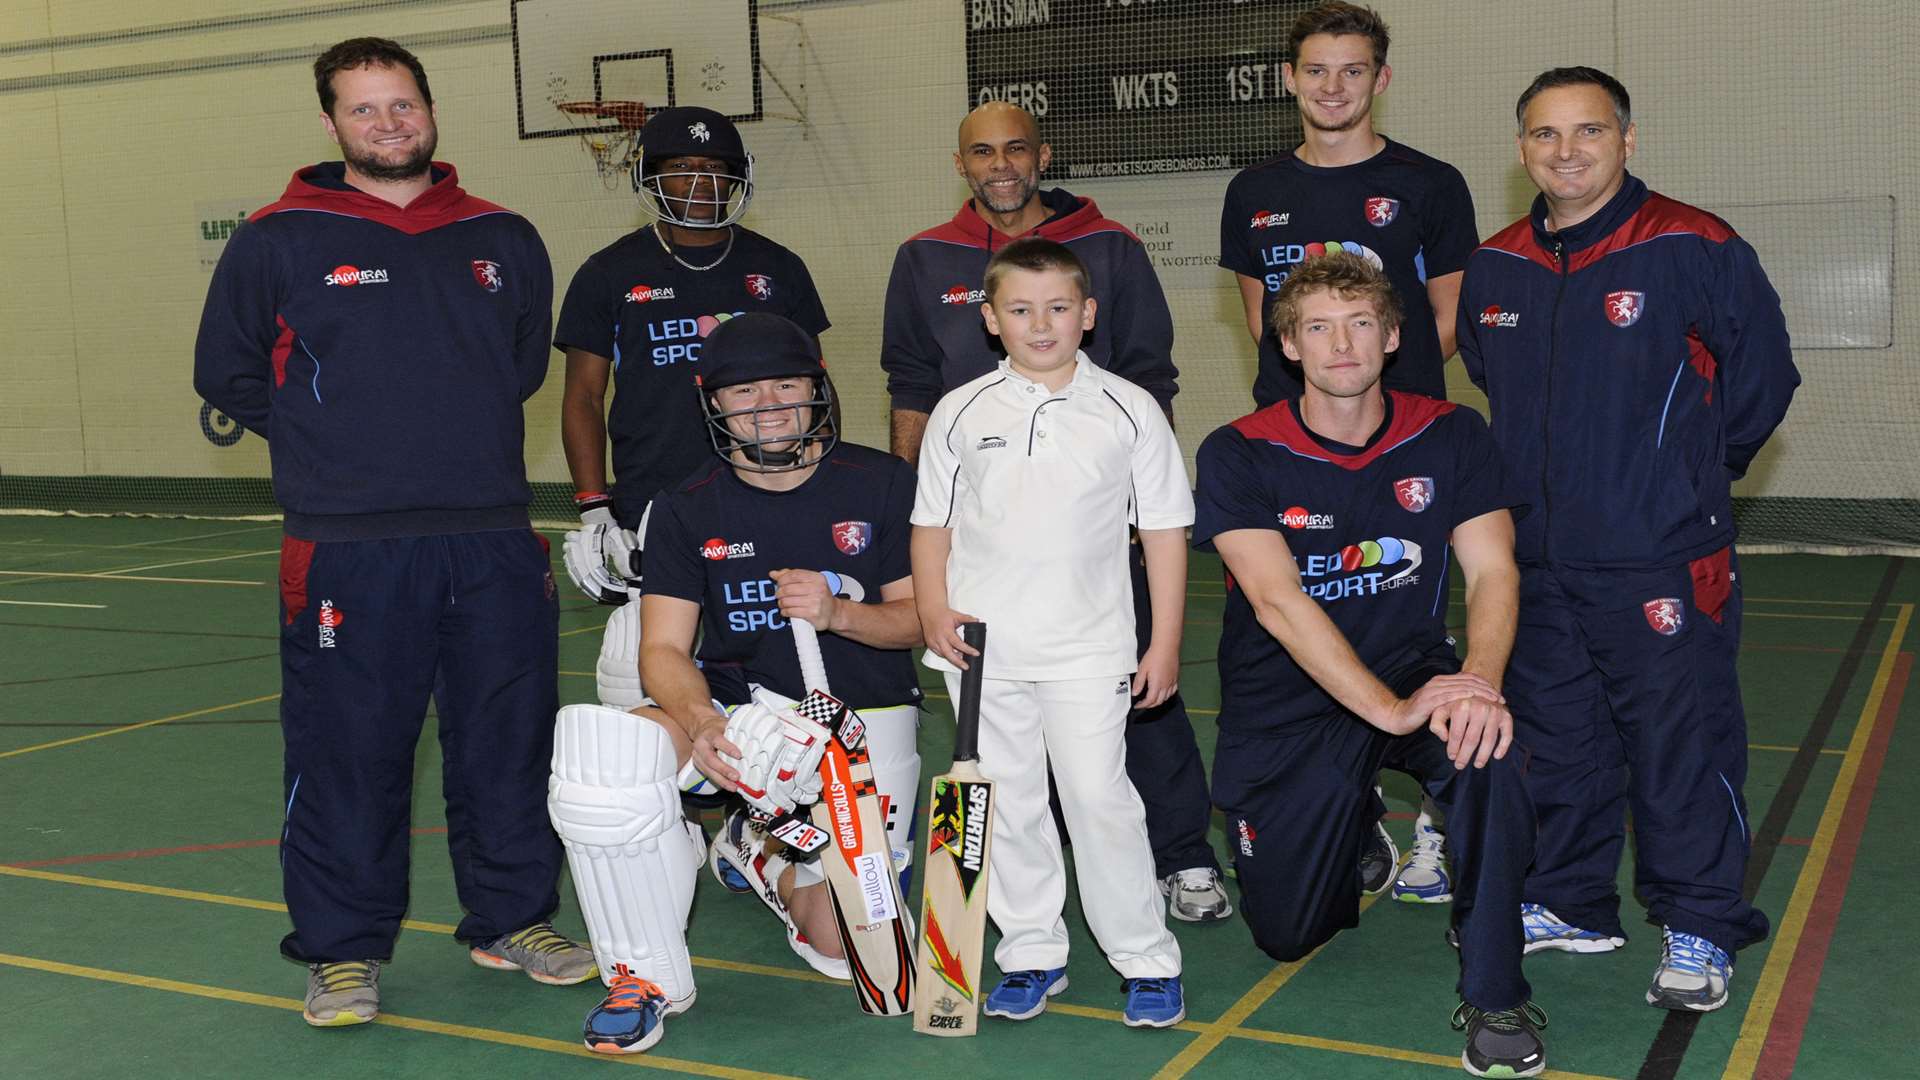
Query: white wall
<point>105,182</point>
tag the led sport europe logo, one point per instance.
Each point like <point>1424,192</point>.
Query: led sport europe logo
<point>1360,569</point>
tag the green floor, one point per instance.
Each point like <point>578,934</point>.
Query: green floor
<point>140,886</point>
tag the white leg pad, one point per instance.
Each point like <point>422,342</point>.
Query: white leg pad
<point>614,801</point>
<point>893,736</point>
<point>617,673</point>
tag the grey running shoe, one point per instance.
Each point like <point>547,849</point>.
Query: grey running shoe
<point>342,993</point>
<point>542,953</point>
<point>1503,1043</point>
<point>1196,895</point>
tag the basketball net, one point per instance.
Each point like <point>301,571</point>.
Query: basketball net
<point>614,149</point>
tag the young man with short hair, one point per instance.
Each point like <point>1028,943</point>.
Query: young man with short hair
<point>1337,514</point>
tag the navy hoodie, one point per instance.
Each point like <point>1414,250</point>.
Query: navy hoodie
<point>1634,363</point>
<point>384,353</point>
<point>935,339</point>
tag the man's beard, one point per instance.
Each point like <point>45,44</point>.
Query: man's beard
<point>1013,205</point>
<point>412,166</point>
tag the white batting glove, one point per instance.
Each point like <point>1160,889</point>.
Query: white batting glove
<point>780,753</point>
<point>599,555</point>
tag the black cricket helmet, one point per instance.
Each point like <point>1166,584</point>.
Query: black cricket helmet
<point>755,346</point>
<point>691,131</point>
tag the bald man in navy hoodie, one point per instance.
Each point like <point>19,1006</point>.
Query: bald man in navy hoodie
<point>380,328</point>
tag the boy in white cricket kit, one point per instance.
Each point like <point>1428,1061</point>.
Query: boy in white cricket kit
<point>1029,479</point>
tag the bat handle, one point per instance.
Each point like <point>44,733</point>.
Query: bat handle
<point>966,732</point>
<point>806,645</point>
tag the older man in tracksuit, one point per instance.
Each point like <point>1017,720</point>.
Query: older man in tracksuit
<point>1635,360</point>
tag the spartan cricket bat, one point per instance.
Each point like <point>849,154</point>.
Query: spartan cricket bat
<point>875,930</point>
<point>953,899</point>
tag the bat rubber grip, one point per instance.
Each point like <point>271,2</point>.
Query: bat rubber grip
<point>806,645</point>
<point>966,732</point>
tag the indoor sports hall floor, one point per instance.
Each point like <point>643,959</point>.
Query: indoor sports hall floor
<point>139,890</point>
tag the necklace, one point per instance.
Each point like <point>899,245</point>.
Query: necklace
<point>675,255</point>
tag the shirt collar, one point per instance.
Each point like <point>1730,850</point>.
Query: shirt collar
<point>1086,376</point>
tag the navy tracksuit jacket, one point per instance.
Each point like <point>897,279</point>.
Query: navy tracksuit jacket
<point>385,353</point>
<point>1634,364</point>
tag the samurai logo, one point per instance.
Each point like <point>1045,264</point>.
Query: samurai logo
<point>1381,211</point>
<point>760,286</point>
<point>852,537</point>
<point>1246,837</point>
<point>1414,492</point>
<point>699,131</point>
<point>1624,308</point>
<point>329,620</point>
<point>1666,615</point>
<point>486,273</point>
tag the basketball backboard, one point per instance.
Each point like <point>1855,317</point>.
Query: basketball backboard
<point>660,52</point>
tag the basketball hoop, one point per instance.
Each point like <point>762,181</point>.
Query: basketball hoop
<point>614,149</point>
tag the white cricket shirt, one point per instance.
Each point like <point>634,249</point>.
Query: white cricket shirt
<point>1039,488</point>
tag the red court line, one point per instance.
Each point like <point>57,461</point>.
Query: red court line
<point>1782,1047</point>
<point>189,849</point>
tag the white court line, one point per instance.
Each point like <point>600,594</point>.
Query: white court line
<point>198,536</point>
<point>127,577</point>
<point>188,562</point>
<point>48,603</point>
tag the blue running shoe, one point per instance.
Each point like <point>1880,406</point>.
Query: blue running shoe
<point>1545,930</point>
<point>631,1019</point>
<point>738,836</point>
<point>1692,976</point>
<point>1022,995</point>
<point>1154,1003</point>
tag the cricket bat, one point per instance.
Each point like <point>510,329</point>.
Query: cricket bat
<point>875,930</point>
<point>953,898</point>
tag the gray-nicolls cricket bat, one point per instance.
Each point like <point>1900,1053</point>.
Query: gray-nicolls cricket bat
<point>875,929</point>
<point>953,898</point>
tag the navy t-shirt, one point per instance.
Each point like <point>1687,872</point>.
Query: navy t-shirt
<point>1368,529</point>
<point>633,304</point>
<point>1405,212</point>
<point>714,538</point>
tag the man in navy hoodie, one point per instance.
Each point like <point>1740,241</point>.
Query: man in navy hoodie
<point>934,339</point>
<point>380,328</point>
<point>1635,360</point>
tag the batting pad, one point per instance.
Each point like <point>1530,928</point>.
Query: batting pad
<point>893,751</point>
<point>614,801</point>
<point>617,674</point>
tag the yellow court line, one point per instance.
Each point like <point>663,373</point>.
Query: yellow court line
<point>407,1023</point>
<point>198,536</point>
<point>1786,939</point>
<point>1341,1046</point>
<point>1238,1013</point>
<point>444,929</point>
<point>583,630</point>
<point>191,562</point>
<point>1791,749</point>
<point>127,577</point>
<point>1231,1020</point>
<point>136,727</point>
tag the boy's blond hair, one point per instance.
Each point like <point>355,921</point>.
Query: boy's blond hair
<point>1036,255</point>
<point>1343,274</point>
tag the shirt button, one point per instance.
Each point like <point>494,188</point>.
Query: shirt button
<point>1043,434</point>
<point>1029,389</point>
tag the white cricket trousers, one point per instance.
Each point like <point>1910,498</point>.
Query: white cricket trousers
<point>1080,726</point>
